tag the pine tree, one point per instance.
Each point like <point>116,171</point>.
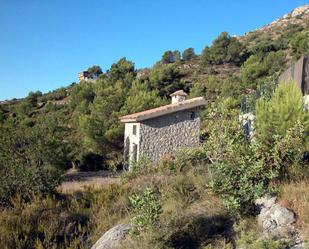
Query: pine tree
<point>281,112</point>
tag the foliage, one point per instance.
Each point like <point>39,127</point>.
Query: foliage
<point>146,209</point>
<point>165,79</point>
<point>32,98</point>
<point>45,222</point>
<point>223,49</point>
<point>94,71</point>
<point>300,44</point>
<point>2,117</point>
<point>257,66</point>
<point>167,57</point>
<point>23,109</point>
<point>30,160</point>
<point>243,172</point>
<point>188,54</point>
<point>122,69</point>
<point>265,89</point>
<point>81,95</point>
<point>57,94</point>
<point>177,56</point>
<point>38,142</point>
<point>281,112</point>
<point>251,239</point>
<point>139,98</point>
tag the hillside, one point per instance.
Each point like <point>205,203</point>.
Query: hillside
<point>200,198</point>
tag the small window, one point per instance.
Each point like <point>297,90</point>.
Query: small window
<point>192,115</point>
<point>134,129</point>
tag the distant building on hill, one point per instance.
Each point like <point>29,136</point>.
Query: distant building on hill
<point>84,75</point>
<point>162,131</point>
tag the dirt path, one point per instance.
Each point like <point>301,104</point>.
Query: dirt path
<point>77,181</point>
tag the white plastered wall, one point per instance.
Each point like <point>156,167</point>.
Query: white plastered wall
<point>134,139</point>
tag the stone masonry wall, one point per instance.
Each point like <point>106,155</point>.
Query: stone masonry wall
<point>167,134</point>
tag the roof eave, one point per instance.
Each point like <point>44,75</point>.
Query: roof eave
<point>166,112</point>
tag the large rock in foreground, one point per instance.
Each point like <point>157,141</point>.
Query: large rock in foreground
<point>274,218</point>
<point>113,237</point>
<point>277,222</point>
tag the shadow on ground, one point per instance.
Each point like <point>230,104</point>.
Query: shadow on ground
<point>201,231</point>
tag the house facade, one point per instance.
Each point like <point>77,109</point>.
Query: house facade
<point>161,131</point>
<point>86,76</point>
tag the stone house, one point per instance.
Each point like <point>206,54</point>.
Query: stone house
<point>84,75</point>
<point>162,131</point>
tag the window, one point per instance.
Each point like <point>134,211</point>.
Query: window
<point>192,115</point>
<point>134,130</point>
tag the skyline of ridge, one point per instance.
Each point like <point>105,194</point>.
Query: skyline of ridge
<point>44,46</point>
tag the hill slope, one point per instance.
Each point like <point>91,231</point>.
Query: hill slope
<point>196,199</point>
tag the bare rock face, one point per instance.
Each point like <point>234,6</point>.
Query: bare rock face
<point>274,218</point>
<point>113,237</point>
<point>302,10</point>
<point>297,16</point>
<point>277,221</point>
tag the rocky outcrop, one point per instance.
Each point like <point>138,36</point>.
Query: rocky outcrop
<point>113,237</point>
<point>297,16</point>
<point>277,221</point>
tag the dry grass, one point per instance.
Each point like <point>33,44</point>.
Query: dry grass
<point>296,197</point>
<point>79,181</point>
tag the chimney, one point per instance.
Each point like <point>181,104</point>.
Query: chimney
<point>178,96</point>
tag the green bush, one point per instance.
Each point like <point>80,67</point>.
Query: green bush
<point>258,66</point>
<point>188,54</point>
<point>281,112</point>
<point>146,211</point>
<point>2,117</point>
<point>243,173</point>
<point>224,49</point>
<point>31,159</point>
<point>300,44</point>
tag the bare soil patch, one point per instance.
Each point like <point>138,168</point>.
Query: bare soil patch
<point>79,180</point>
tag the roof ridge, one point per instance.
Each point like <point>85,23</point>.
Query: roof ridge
<point>163,110</point>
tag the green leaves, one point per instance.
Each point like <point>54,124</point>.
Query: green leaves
<point>146,210</point>
<point>188,54</point>
<point>31,159</point>
<point>224,49</point>
<point>300,44</point>
<point>281,112</point>
<point>257,66</point>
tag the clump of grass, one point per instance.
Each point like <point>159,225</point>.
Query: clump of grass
<point>110,205</point>
<point>295,196</point>
<point>43,222</point>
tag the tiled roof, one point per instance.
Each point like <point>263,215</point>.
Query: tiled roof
<point>163,110</point>
<point>179,92</point>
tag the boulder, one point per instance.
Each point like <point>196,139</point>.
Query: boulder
<point>277,221</point>
<point>113,237</point>
<point>266,201</point>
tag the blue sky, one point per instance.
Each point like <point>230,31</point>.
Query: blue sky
<point>44,44</point>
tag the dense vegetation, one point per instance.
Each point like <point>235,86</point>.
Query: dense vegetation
<point>198,198</point>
